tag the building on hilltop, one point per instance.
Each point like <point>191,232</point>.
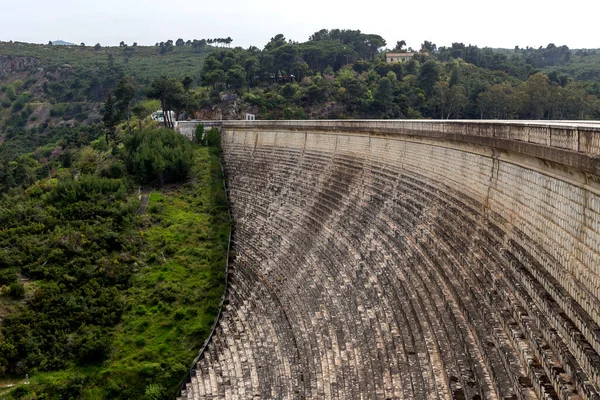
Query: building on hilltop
<point>399,57</point>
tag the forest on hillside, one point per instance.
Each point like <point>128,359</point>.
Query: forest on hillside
<point>344,74</point>
<point>334,74</point>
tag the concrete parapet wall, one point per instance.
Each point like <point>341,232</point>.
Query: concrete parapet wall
<point>560,141</point>
<point>410,260</point>
<point>188,128</point>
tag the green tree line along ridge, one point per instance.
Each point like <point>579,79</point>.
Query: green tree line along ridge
<point>334,74</point>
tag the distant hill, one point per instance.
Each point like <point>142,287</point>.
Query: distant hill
<point>62,43</point>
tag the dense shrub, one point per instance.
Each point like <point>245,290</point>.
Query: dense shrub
<point>16,290</point>
<point>213,138</point>
<point>159,156</point>
<point>74,238</point>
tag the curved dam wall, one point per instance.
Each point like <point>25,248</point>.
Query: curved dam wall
<point>409,260</point>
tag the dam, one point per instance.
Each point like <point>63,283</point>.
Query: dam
<point>409,260</point>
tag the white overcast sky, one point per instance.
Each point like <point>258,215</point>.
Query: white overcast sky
<point>499,23</point>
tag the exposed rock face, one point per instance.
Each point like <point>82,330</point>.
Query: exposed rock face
<point>10,64</point>
<point>390,262</point>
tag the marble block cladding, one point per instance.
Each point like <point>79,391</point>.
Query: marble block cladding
<point>415,261</point>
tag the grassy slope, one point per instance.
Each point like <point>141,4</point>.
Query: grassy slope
<point>173,300</point>
<point>177,297</point>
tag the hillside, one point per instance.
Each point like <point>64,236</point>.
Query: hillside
<point>106,291</point>
<point>57,85</point>
<point>142,62</point>
<point>334,74</point>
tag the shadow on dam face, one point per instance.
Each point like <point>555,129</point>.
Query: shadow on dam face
<point>380,265</point>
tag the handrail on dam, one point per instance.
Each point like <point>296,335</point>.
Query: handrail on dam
<point>573,143</point>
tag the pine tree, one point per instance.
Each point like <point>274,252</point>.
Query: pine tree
<point>110,119</point>
<point>124,94</point>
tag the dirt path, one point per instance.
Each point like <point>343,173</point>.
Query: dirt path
<point>7,385</point>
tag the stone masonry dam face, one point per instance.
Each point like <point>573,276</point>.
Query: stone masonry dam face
<point>409,260</point>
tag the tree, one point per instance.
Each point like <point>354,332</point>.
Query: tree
<point>450,99</point>
<point>428,76</point>
<point>251,65</point>
<point>537,94</point>
<point>235,77</point>
<point>16,290</point>
<point>166,46</point>
<point>171,95</point>
<point>159,156</point>
<point>275,42</point>
<point>140,112</point>
<point>199,133</point>
<point>498,101</point>
<point>212,72</point>
<point>187,82</point>
<point>384,90</point>
<point>354,87</point>
<point>82,44</point>
<point>455,75</point>
<point>428,47</point>
<point>110,119</point>
<point>97,47</point>
<point>285,56</point>
<point>122,44</point>
<point>124,94</point>
<point>399,45</point>
<point>180,42</point>
<point>198,45</point>
<point>373,43</point>
<point>10,92</point>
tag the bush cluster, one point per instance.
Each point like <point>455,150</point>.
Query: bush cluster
<point>159,156</point>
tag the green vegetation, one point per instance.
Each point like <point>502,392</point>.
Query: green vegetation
<point>95,301</point>
<point>334,74</point>
<point>142,62</point>
<point>342,74</point>
<point>105,296</point>
<point>159,156</point>
<point>75,240</point>
<point>69,83</point>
